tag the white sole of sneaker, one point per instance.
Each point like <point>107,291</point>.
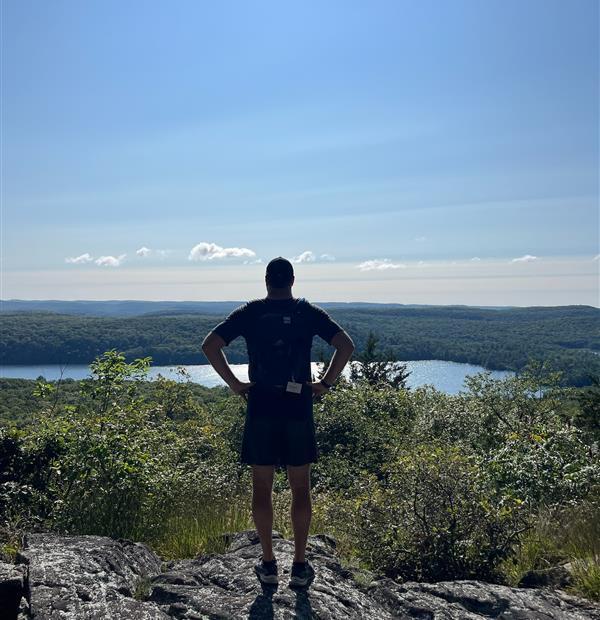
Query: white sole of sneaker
<point>299,581</point>
<point>270,579</point>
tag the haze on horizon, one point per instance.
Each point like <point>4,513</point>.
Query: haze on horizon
<point>434,153</point>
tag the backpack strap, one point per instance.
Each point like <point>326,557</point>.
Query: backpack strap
<point>301,305</point>
<point>300,309</point>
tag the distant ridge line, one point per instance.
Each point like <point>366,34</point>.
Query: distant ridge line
<point>133,307</point>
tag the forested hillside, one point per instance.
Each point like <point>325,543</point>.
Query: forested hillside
<point>566,336</point>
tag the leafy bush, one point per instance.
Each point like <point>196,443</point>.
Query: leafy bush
<point>357,428</point>
<point>115,464</point>
<point>416,484</point>
<point>435,517</point>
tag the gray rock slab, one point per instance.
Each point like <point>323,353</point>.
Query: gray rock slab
<point>88,577</point>
<point>224,586</point>
<point>12,589</point>
<point>97,577</point>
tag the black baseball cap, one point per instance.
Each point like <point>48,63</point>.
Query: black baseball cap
<point>279,272</point>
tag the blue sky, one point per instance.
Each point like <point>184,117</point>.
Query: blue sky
<point>169,150</point>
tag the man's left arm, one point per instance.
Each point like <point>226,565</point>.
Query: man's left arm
<point>344,347</point>
<point>333,333</point>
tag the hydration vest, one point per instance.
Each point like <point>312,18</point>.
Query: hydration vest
<point>280,337</point>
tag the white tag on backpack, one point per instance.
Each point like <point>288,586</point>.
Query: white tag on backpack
<point>294,387</point>
<point>287,319</point>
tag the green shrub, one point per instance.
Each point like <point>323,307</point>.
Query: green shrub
<point>435,517</point>
<point>117,465</point>
<point>357,428</point>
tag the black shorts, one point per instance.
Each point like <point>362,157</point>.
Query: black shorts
<point>279,428</point>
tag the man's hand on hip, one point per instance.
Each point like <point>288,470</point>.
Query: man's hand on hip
<point>241,388</point>
<point>318,389</point>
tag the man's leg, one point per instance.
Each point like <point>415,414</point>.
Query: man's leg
<point>299,478</point>
<point>262,506</point>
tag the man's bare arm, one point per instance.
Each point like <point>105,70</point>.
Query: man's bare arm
<point>212,347</point>
<point>344,346</point>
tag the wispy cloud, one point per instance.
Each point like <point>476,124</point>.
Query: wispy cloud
<point>110,261</point>
<point>475,259</point>
<point>144,251</point>
<point>380,264</point>
<point>528,258</point>
<point>597,257</point>
<point>82,258</point>
<point>327,257</point>
<point>209,251</point>
<point>420,239</point>
<point>305,257</point>
<point>253,262</point>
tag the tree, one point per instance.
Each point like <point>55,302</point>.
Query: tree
<point>375,368</point>
<point>588,417</point>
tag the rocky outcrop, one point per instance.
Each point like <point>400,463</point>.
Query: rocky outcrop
<point>78,577</point>
<point>87,577</point>
<point>12,590</point>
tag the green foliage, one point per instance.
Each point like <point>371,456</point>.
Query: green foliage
<point>588,417</point>
<point>495,453</point>
<point>357,428</point>
<point>562,535</point>
<point>115,464</point>
<point>415,484</point>
<point>108,386</point>
<point>436,517</point>
<point>518,426</point>
<point>375,368</point>
<point>142,588</point>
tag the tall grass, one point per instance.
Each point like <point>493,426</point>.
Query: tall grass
<point>199,527</point>
<point>559,536</point>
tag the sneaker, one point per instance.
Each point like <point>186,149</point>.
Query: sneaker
<point>302,573</point>
<point>267,571</point>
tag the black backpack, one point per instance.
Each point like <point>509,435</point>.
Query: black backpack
<point>279,336</point>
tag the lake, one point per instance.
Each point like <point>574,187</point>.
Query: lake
<point>445,376</point>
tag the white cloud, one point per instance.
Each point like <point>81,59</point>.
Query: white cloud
<point>524,259</point>
<point>420,239</point>
<point>110,261</point>
<point>82,258</point>
<point>210,251</point>
<point>379,264</point>
<point>143,251</point>
<point>421,263</point>
<point>305,257</point>
<point>163,252</point>
<point>253,262</point>
<point>475,259</point>
<point>597,257</point>
<point>327,257</point>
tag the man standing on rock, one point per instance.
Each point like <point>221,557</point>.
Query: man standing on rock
<point>279,429</point>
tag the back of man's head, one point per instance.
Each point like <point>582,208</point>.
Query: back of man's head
<point>279,273</point>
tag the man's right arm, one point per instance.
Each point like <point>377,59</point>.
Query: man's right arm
<point>212,347</point>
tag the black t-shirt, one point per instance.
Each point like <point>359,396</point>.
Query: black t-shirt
<point>262,321</point>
